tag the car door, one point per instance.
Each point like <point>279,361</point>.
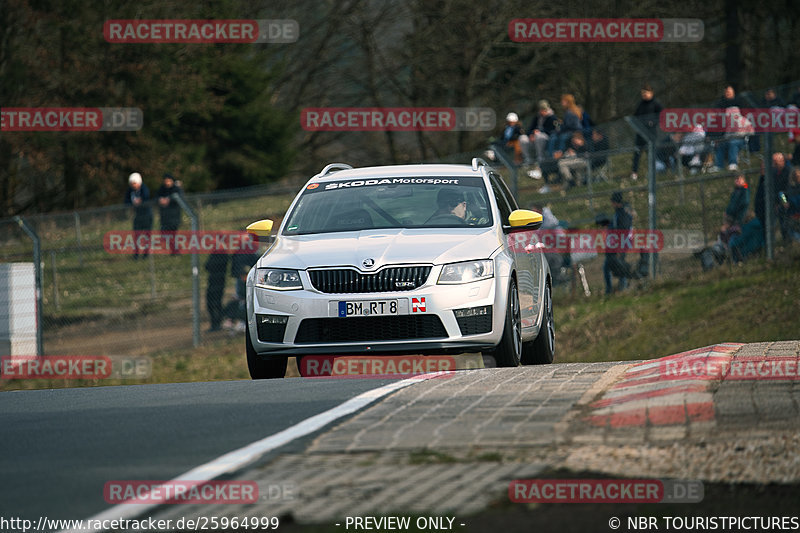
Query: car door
<point>522,247</point>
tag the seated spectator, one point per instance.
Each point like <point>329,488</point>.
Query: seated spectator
<point>666,154</point>
<point>574,161</point>
<point>514,140</point>
<point>720,250</point>
<point>599,149</point>
<point>732,221</point>
<point>571,124</point>
<point>587,124</point>
<point>691,148</point>
<point>542,128</point>
<point>749,241</point>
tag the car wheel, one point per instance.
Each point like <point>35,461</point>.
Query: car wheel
<point>542,349</point>
<point>261,367</point>
<point>509,351</point>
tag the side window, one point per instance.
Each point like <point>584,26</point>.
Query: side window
<point>511,200</point>
<point>502,201</point>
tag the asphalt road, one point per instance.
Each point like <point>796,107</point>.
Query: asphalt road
<point>59,447</point>
<point>727,416</point>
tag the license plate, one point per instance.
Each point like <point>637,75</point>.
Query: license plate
<point>368,308</point>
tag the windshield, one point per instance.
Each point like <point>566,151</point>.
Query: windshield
<point>397,202</point>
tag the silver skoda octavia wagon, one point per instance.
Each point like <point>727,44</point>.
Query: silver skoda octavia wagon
<point>415,259</point>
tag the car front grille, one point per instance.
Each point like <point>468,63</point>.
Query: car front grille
<point>367,329</point>
<point>391,279</point>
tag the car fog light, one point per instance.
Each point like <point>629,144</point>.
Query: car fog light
<point>473,311</point>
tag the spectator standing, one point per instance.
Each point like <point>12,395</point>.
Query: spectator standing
<point>729,142</point>
<point>771,99</point>
<point>217,268</point>
<point>169,209</point>
<point>647,112</point>
<point>739,202</point>
<point>781,171</point>
<point>790,204</point>
<point>236,310</point>
<point>138,196</point>
<point>615,264</point>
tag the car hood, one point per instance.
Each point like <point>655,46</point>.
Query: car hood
<point>385,247</point>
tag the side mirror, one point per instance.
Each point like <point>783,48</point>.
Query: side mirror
<point>262,228</point>
<point>524,220</point>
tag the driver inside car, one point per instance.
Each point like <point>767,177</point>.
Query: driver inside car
<point>452,208</point>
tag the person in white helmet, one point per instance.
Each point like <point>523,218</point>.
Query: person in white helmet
<point>514,138</point>
<point>138,197</point>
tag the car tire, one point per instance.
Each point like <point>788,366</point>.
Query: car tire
<point>261,367</point>
<point>542,349</point>
<point>509,352</point>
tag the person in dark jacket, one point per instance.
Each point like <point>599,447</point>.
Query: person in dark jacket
<point>749,241</point>
<point>138,196</point>
<point>647,112</point>
<point>615,263</point>
<point>217,268</point>
<point>543,126</point>
<point>738,203</point>
<point>236,311</point>
<point>573,114</point>
<point>790,204</point>
<point>169,209</point>
<point>771,99</point>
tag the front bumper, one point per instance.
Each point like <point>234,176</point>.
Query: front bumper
<point>304,322</point>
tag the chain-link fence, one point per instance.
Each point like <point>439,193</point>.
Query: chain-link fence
<point>99,300</point>
<point>92,301</point>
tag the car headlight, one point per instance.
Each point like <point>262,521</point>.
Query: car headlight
<point>278,279</point>
<point>466,271</point>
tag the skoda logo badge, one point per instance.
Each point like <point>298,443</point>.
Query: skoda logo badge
<point>368,263</point>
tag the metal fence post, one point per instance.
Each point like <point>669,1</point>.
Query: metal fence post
<point>769,198</point>
<point>651,200</point>
<point>195,272</point>
<point>55,280</point>
<point>498,152</point>
<point>78,237</point>
<point>37,269</point>
<point>651,182</point>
